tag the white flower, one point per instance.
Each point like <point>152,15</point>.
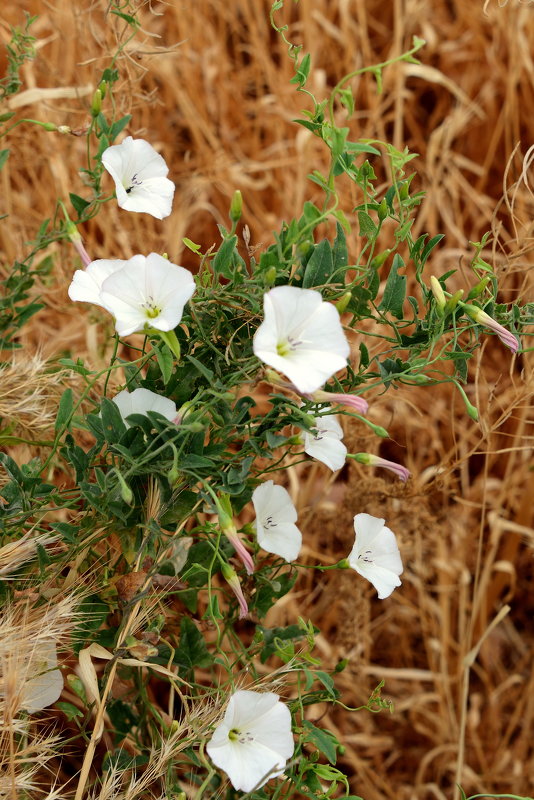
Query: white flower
<point>147,292</point>
<point>142,400</point>
<point>45,682</point>
<point>301,336</point>
<point>375,555</point>
<point>275,521</point>
<point>324,442</point>
<point>140,176</point>
<point>254,740</point>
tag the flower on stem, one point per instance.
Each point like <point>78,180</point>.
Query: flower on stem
<point>44,683</point>
<point>226,523</point>
<point>377,461</point>
<point>301,336</point>
<point>142,400</point>
<point>275,521</point>
<point>140,176</point>
<point>77,241</point>
<point>375,555</point>
<point>480,317</point>
<point>439,294</point>
<point>324,442</point>
<point>142,293</point>
<point>353,401</point>
<point>230,576</point>
<point>254,741</point>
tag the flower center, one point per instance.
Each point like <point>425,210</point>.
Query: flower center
<point>269,523</point>
<point>151,309</point>
<point>235,735</point>
<point>287,346</point>
<point>133,182</point>
<point>366,556</point>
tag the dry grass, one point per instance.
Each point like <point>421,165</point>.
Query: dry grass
<point>209,85</point>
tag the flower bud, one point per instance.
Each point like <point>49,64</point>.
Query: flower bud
<point>232,580</point>
<point>437,291</point>
<point>342,303</point>
<point>383,209</point>
<point>379,259</point>
<point>126,492</point>
<point>96,103</point>
<point>452,302</point>
<point>236,206</point>
<point>477,290</point>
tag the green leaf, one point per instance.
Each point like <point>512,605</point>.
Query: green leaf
<point>367,226</point>
<point>320,266</point>
<point>207,373</point>
<point>324,741</point>
<point>112,421</point>
<point>395,290</point>
<point>65,410</point>
<point>165,361</point>
<point>364,356</point>
<point>4,155</point>
<point>70,711</point>
<point>191,651</point>
<point>118,126</point>
<point>224,259</point>
<point>340,253</point>
<point>302,71</point>
<point>78,203</point>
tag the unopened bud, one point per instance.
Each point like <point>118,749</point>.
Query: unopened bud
<point>126,492</point>
<point>404,191</point>
<point>96,103</point>
<point>477,290</point>
<point>379,259</point>
<point>382,209</point>
<point>437,291</point>
<point>342,303</point>
<point>102,87</point>
<point>453,301</point>
<point>236,206</point>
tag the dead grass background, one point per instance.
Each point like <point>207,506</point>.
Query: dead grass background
<point>208,83</point>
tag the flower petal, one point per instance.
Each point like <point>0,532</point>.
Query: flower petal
<point>45,684</point>
<point>142,400</point>
<point>87,283</point>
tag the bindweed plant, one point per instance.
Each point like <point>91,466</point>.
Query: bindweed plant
<point>142,574</point>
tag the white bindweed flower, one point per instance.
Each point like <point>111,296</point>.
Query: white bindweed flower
<point>254,740</point>
<point>301,336</point>
<point>147,293</point>
<point>87,283</point>
<point>140,176</point>
<point>275,521</point>
<point>375,555</point>
<point>324,442</point>
<point>142,400</point>
<point>44,682</point>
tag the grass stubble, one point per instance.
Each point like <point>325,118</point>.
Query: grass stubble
<point>208,84</point>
